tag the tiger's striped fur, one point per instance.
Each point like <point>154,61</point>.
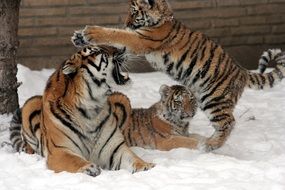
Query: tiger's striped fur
<point>189,57</point>
<point>162,126</point>
<point>73,124</point>
<point>270,55</point>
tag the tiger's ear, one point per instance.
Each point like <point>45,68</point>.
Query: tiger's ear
<point>68,68</point>
<point>164,90</point>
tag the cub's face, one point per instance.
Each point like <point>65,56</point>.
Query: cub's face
<point>98,65</point>
<point>147,13</point>
<point>177,102</point>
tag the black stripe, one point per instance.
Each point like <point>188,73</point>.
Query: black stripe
<point>31,117</point>
<point>69,138</point>
<point>42,145</point>
<point>119,164</point>
<point>98,68</point>
<point>187,42</point>
<point>207,64</point>
<point>257,80</point>
<point>211,104</point>
<point>219,109</point>
<point>179,74</point>
<point>169,68</point>
<point>90,91</point>
<point>124,116</point>
<point>98,127</point>
<point>182,59</point>
<point>111,161</point>
<point>270,79</point>
<point>83,112</point>
<point>66,121</point>
<point>176,29</point>
<point>218,118</point>
<point>251,79</point>
<point>189,70</point>
<point>264,59</point>
<point>197,76</point>
<point>165,58</point>
<point>58,146</point>
<point>218,84</point>
<point>109,138</point>
<point>94,79</point>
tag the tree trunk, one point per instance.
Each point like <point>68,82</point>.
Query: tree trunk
<point>9,19</point>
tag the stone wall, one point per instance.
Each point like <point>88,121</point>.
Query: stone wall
<point>244,27</point>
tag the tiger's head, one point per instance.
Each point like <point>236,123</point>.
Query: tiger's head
<point>96,68</point>
<point>178,104</point>
<point>148,13</point>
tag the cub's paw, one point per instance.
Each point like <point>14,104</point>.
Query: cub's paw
<point>90,169</point>
<point>78,39</point>
<point>140,165</point>
<point>210,144</point>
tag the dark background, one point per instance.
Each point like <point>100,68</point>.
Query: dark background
<point>244,27</point>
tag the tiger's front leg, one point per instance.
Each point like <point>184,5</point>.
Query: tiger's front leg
<point>64,160</point>
<point>127,159</point>
<point>101,35</point>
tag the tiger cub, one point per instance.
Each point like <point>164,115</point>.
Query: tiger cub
<point>73,124</point>
<point>189,57</point>
<point>162,126</point>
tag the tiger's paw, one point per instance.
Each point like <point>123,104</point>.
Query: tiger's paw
<point>142,166</point>
<point>91,34</point>
<point>210,144</point>
<point>91,169</point>
<point>78,39</point>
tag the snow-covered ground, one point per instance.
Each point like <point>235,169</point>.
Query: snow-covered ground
<point>252,158</point>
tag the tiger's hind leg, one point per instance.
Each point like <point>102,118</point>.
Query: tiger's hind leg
<point>223,123</point>
<point>31,132</point>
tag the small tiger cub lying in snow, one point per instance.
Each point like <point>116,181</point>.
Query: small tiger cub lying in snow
<point>162,126</point>
<point>73,125</point>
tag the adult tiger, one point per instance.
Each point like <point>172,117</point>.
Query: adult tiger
<point>164,125</point>
<point>73,124</point>
<point>189,57</point>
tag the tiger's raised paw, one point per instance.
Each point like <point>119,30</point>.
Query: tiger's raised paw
<point>92,34</point>
<point>78,39</point>
<point>142,166</point>
<point>91,169</point>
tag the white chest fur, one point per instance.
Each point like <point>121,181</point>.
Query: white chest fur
<point>156,60</point>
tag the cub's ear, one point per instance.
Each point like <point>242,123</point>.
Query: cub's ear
<point>164,90</point>
<point>68,68</point>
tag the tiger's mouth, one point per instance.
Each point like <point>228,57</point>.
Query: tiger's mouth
<point>119,76</point>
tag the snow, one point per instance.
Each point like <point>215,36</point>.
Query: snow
<point>252,158</point>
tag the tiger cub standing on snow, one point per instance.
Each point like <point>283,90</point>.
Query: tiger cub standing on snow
<point>73,125</point>
<point>162,126</point>
<point>189,57</point>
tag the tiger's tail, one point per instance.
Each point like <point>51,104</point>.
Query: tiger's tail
<point>15,131</point>
<point>267,56</point>
<point>121,108</point>
<point>268,80</point>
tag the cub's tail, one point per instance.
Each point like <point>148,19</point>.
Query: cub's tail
<point>15,131</point>
<point>268,80</point>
